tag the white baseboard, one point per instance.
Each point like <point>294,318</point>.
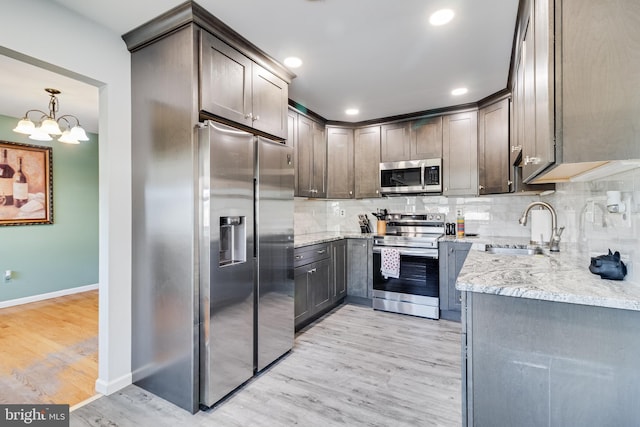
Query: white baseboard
<point>110,387</point>
<point>41,297</point>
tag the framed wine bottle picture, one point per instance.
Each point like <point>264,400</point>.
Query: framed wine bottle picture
<point>26,187</point>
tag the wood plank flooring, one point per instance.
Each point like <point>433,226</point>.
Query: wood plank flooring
<point>49,350</point>
<point>353,367</point>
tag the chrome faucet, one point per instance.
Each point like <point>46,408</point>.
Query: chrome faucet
<point>554,244</point>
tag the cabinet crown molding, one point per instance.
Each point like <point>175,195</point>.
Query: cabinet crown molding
<point>189,13</point>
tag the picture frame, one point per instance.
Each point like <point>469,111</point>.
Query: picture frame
<point>26,184</point>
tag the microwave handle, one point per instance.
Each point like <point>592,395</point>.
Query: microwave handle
<point>422,176</point>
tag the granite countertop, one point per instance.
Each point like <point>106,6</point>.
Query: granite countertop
<point>562,277</point>
<point>301,240</point>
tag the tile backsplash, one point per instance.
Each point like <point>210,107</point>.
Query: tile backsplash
<point>581,209</point>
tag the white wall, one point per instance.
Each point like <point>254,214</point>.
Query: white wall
<point>45,34</point>
<point>582,207</point>
<point>578,205</point>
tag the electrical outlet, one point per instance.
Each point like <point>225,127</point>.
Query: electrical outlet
<point>7,275</point>
<point>343,213</point>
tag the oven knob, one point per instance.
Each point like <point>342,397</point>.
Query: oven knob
<point>438,217</point>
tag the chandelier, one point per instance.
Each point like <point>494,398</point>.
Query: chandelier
<point>49,125</point>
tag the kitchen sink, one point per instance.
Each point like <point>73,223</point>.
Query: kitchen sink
<point>513,249</point>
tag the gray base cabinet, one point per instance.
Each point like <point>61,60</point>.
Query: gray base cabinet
<point>320,280</point>
<point>452,256</point>
<point>339,269</point>
<point>359,268</point>
<point>542,363</point>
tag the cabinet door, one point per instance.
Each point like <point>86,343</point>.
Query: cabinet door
<point>339,163</point>
<point>321,285</point>
<point>538,150</point>
<point>517,130</point>
<point>394,143</point>
<point>339,269</point>
<point>601,107</point>
<point>460,154</point>
<point>358,269</point>
<point>302,294</point>
<point>452,256</point>
<point>269,102</point>
<point>426,138</point>
<point>444,249</point>
<point>304,154</point>
<point>493,148</point>
<point>528,130</point>
<point>319,177</point>
<point>367,162</point>
<point>292,128</point>
<point>544,82</point>
<point>225,80</point>
<point>458,255</point>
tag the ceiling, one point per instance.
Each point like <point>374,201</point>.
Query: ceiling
<point>380,56</point>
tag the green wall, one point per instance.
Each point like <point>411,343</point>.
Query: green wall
<point>63,255</point>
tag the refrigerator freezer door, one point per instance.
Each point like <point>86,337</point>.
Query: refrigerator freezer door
<point>226,168</point>
<point>274,225</point>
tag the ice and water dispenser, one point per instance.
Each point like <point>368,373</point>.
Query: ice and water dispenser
<point>233,240</point>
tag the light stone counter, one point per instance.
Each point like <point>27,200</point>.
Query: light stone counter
<point>301,240</point>
<point>560,277</point>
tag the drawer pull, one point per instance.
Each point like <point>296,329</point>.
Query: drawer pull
<point>322,251</point>
<point>299,256</point>
<point>313,270</point>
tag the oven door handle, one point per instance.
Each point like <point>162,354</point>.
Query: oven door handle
<point>427,253</point>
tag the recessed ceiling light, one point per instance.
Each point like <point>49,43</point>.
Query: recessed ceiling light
<point>293,62</point>
<point>441,17</point>
<point>459,91</point>
<point>351,111</point>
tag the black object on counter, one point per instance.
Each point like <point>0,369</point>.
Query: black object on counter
<point>450,229</point>
<point>608,266</point>
<point>365,225</point>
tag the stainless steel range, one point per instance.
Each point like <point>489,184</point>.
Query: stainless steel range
<point>405,265</point>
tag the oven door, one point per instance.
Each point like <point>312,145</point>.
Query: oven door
<point>416,290</point>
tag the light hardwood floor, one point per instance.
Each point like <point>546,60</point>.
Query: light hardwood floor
<point>49,350</point>
<point>354,367</point>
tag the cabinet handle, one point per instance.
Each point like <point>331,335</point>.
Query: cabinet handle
<point>313,270</point>
<point>531,160</point>
<point>509,182</point>
<point>481,187</point>
<point>320,252</point>
<point>299,256</point>
<point>515,148</point>
<point>350,192</point>
<point>248,116</point>
<point>256,118</point>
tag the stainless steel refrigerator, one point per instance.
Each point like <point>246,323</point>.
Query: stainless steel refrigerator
<point>245,256</point>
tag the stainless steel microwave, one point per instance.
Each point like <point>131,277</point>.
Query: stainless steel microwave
<point>411,177</point>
